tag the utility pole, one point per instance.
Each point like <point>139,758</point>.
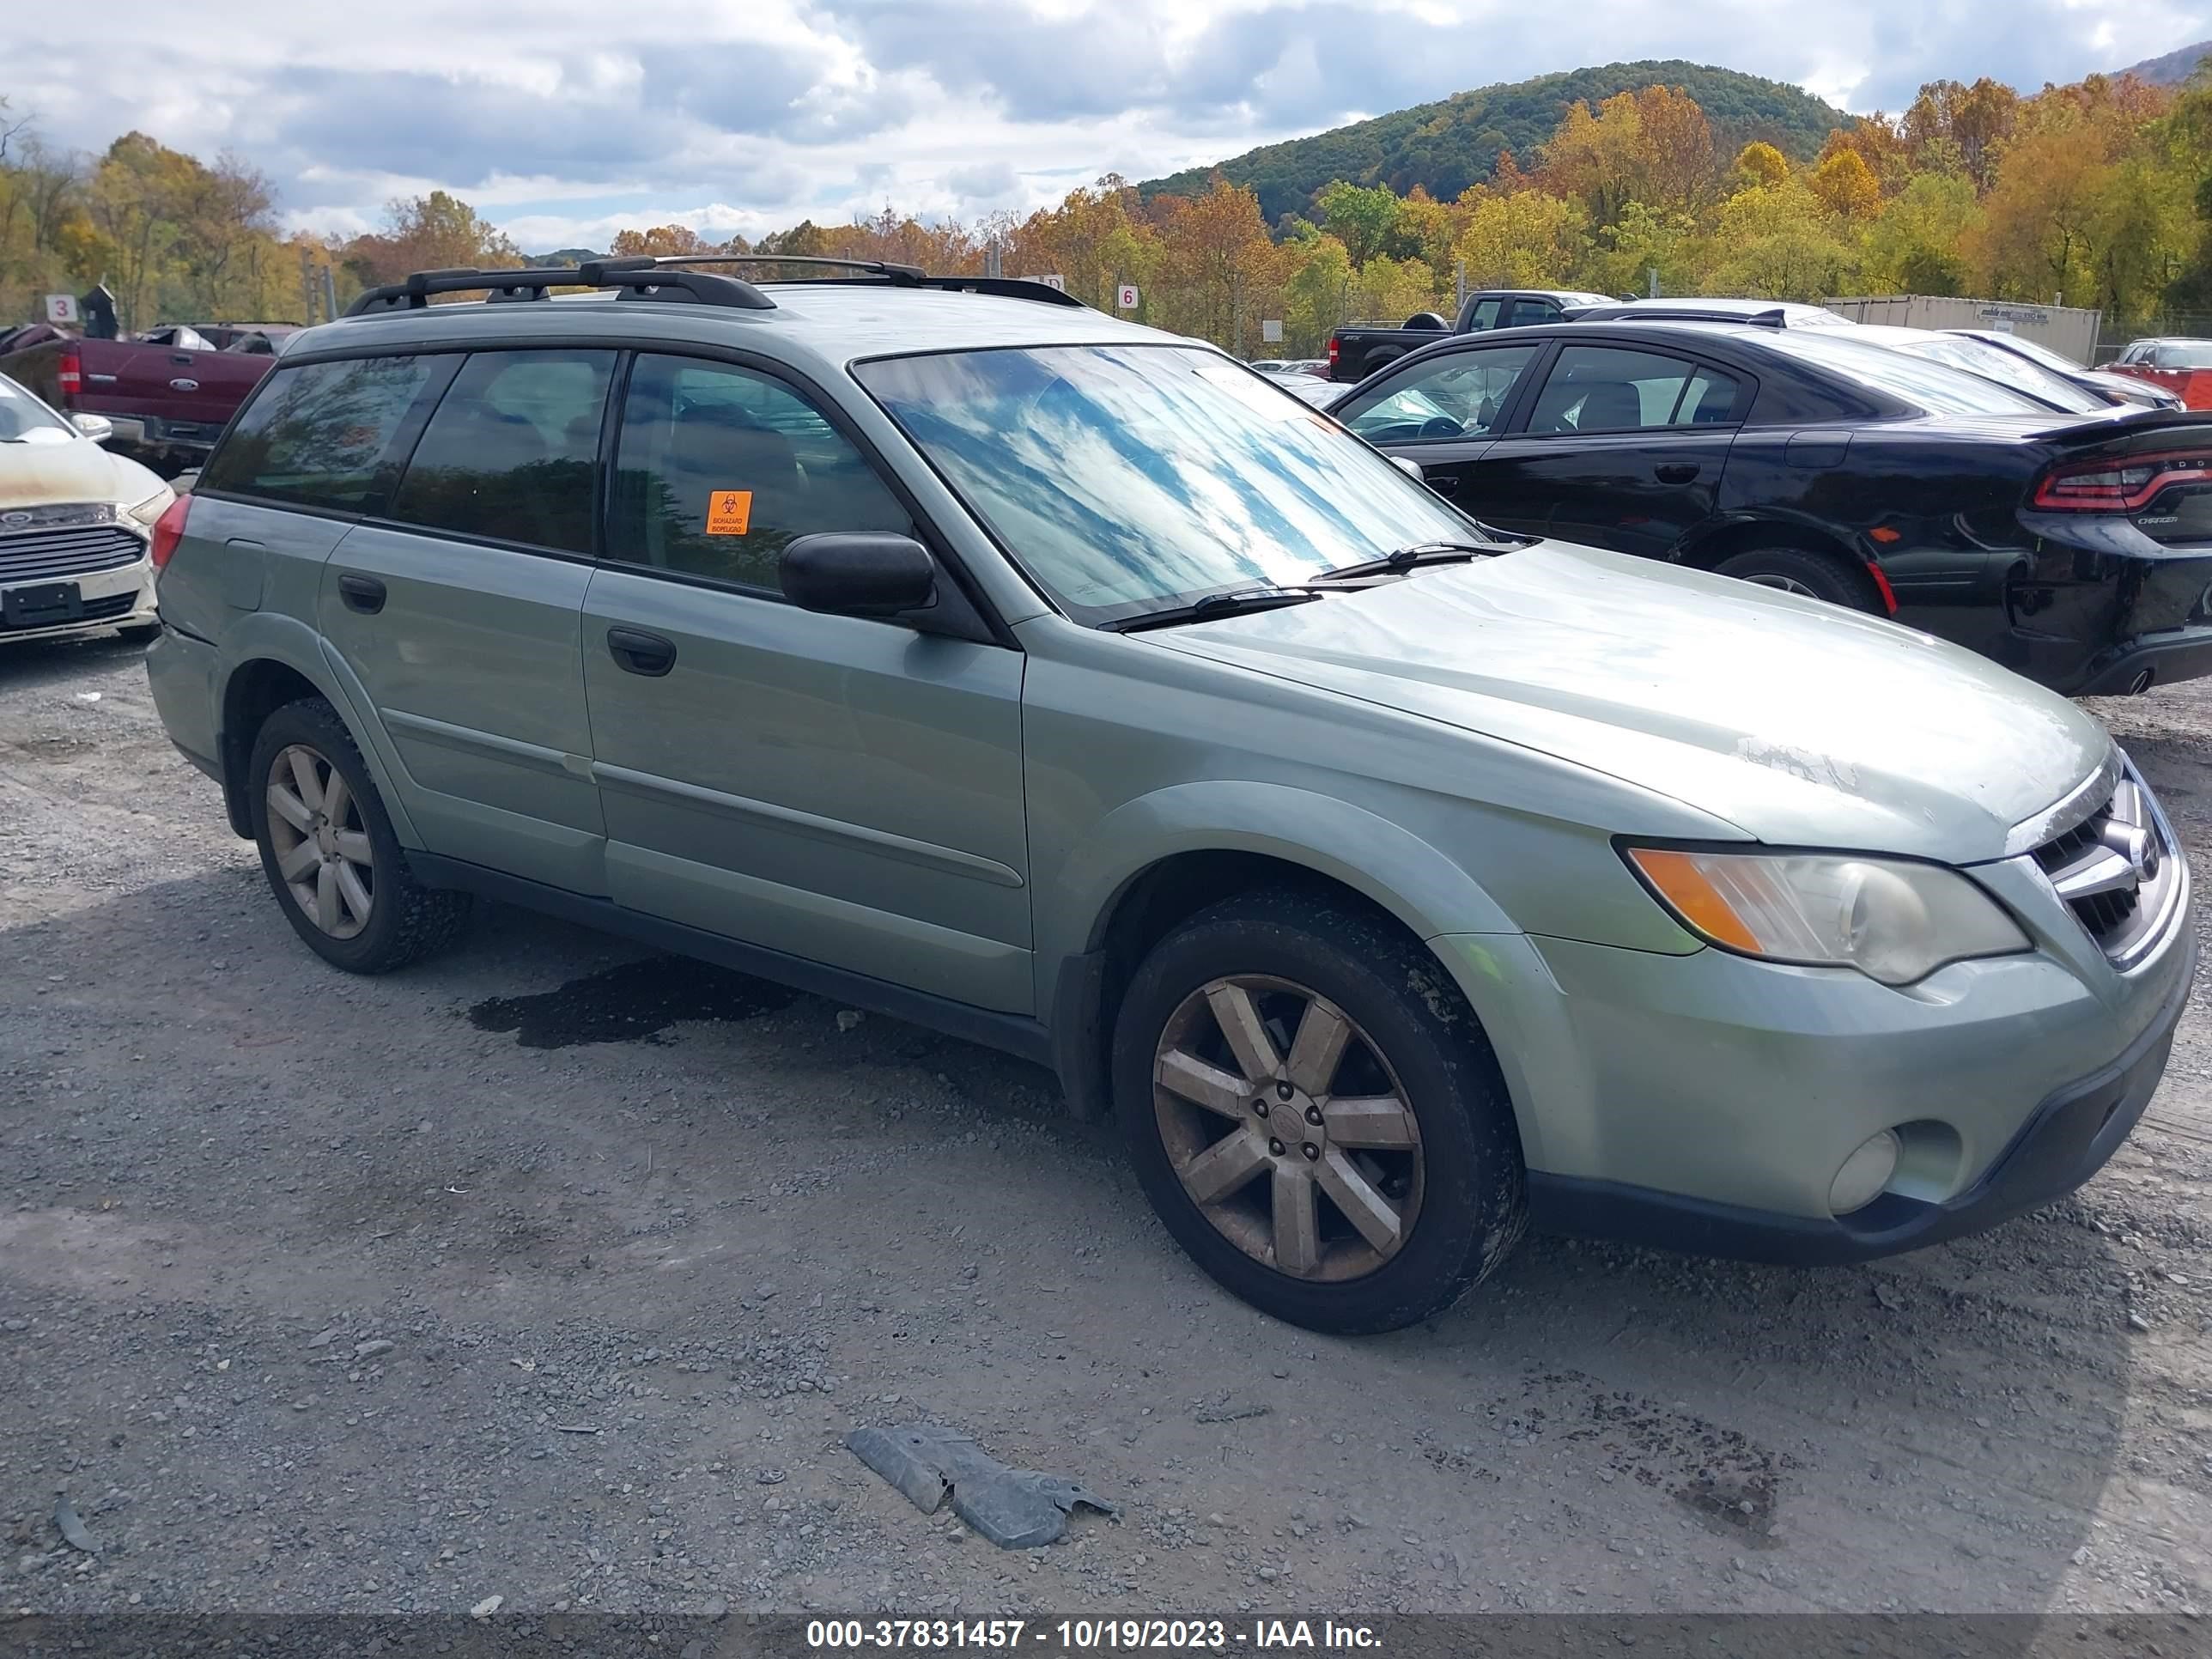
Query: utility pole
<point>990,260</point>
<point>306,286</point>
<point>1459,284</point>
<point>330,294</point>
<point>1651,277</point>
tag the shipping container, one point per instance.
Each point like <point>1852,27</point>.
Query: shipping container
<point>2067,328</point>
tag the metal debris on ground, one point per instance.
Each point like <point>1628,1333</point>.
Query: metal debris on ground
<point>1015,1509</point>
<point>73,1528</point>
<point>1229,1410</point>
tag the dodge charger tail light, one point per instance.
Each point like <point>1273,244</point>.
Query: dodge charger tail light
<point>2121,486</point>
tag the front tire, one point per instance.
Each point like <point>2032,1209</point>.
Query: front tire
<point>1799,571</point>
<point>1315,1115</point>
<point>328,852</point>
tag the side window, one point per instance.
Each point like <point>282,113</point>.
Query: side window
<point>1527,313</point>
<point>1607,389</point>
<point>1461,396</point>
<point>319,434</point>
<point>512,449</point>
<point>718,468</point>
<point>1483,314</point>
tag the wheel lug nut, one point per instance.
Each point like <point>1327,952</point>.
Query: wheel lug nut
<point>1260,1107</point>
<point>1283,1091</point>
<point>1310,1150</point>
<point>1313,1115</point>
<point>1276,1147</point>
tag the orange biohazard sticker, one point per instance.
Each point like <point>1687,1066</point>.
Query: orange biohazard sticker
<point>729,511</point>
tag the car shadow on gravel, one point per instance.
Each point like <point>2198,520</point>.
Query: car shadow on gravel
<point>39,663</point>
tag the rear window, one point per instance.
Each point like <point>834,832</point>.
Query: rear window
<point>1938,388</point>
<point>2182,354</point>
<point>513,451</point>
<point>320,434</point>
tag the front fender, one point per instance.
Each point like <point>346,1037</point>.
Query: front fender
<point>1402,873</point>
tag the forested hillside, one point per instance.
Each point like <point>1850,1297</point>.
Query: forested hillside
<point>1445,147</point>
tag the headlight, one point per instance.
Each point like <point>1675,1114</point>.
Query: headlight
<point>1894,921</point>
<point>153,507</point>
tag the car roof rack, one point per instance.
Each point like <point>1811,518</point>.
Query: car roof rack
<point>635,278</point>
<point>898,275</point>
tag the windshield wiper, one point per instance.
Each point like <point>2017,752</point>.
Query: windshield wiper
<point>1425,553</point>
<point>1239,603</point>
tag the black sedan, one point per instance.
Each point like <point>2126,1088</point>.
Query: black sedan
<point>2074,547</point>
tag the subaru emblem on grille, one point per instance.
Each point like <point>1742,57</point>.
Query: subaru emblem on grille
<point>14,518</point>
<point>2126,833</point>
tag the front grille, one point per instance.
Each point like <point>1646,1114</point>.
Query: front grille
<point>2117,870</point>
<point>115,604</point>
<point>39,555</point>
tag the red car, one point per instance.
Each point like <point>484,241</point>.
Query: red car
<point>2180,366</point>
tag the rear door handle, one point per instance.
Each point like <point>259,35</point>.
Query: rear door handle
<point>361,593</point>
<point>636,652</point>
<point>1676,472</point>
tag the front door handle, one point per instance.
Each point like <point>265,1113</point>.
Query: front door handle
<point>361,593</point>
<point>1445,482</point>
<point>636,652</point>
<point>1676,472</point>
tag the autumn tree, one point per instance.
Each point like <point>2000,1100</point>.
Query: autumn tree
<point>1528,239</point>
<point>1968,123</point>
<point>1362,219</point>
<point>1846,185</point>
<point>1759,164</point>
<point>1653,146</point>
<point>1215,246</point>
<point>658,241</point>
<point>437,232</point>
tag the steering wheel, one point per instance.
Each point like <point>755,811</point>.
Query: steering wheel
<point>1441,426</point>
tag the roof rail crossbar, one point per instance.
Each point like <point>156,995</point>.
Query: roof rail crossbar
<point>897,273</point>
<point>536,282</point>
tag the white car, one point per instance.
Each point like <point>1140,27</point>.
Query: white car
<point>76,525</point>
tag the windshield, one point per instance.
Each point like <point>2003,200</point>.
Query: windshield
<point>2021,345</point>
<point>1994,363</point>
<point>1126,479</point>
<point>24,419</point>
<point>1938,388</point>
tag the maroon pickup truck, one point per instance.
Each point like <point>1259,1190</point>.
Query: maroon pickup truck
<point>167,404</point>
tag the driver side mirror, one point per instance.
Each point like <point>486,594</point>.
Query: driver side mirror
<point>1410,467</point>
<point>864,573</point>
<point>98,428</point>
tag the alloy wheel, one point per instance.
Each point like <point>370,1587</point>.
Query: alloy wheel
<point>321,841</point>
<point>1287,1128</point>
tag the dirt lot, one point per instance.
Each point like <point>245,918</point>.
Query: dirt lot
<point>547,1272</point>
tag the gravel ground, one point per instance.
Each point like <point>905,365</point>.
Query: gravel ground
<point>549,1272</point>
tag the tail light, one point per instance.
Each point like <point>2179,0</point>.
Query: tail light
<point>1332,351</point>
<point>70,379</point>
<point>2119,486</point>
<point>169,530</point>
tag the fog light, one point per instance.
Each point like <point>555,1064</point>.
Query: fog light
<point>1864,1174</point>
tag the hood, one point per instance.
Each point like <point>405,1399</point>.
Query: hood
<point>49,475</point>
<point>1800,723</point>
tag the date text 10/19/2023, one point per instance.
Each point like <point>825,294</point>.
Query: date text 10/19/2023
<point>1043,1637</point>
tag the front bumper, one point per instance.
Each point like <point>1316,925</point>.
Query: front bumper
<point>120,598</point>
<point>2068,1138</point>
<point>1706,1101</point>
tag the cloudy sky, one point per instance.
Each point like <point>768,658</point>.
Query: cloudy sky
<point>565,119</point>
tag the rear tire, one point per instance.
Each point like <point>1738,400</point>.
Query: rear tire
<point>328,852</point>
<point>1801,571</point>
<point>1384,1178</point>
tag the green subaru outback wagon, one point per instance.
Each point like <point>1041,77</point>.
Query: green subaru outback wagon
<point>962,653</point>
